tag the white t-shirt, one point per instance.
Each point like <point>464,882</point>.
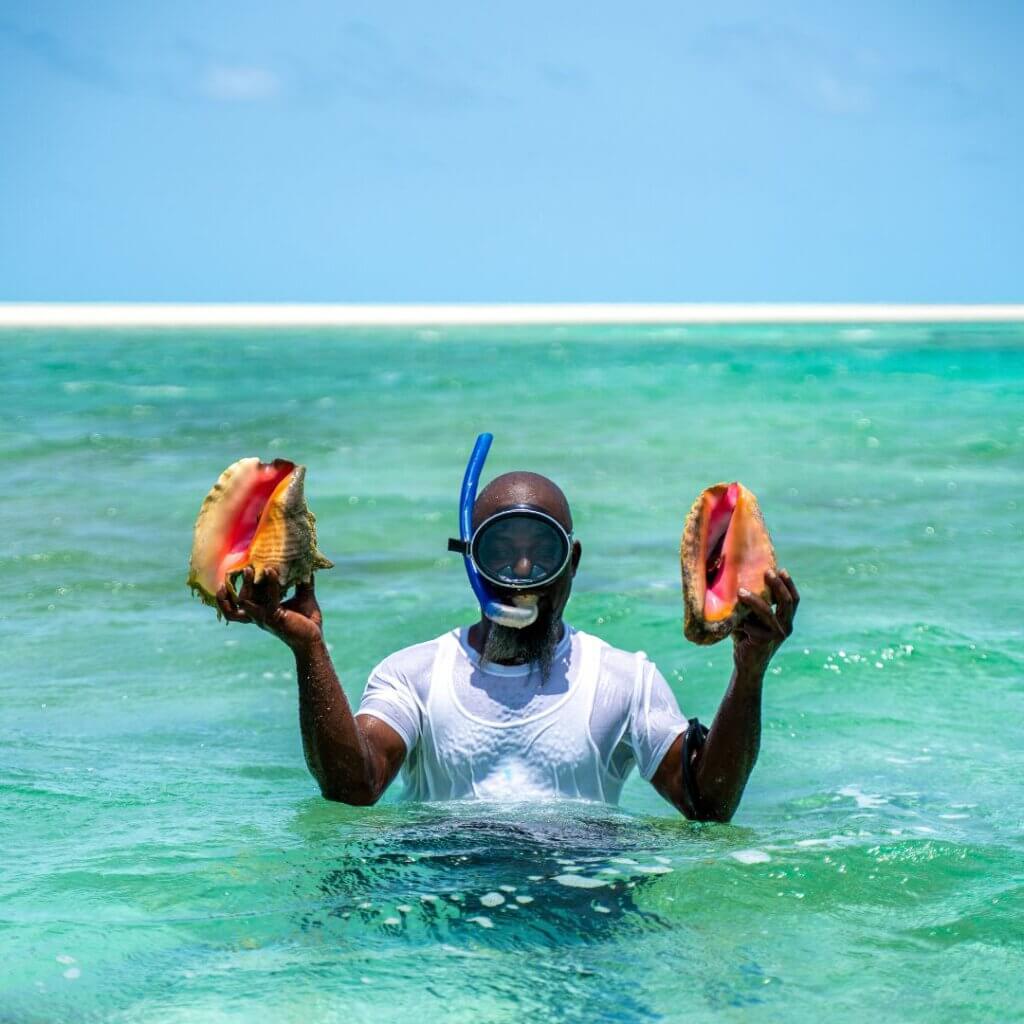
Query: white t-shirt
<point>499,732</point>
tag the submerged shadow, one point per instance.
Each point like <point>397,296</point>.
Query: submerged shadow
<point>510,875</point>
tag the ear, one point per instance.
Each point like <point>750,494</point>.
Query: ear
<point>577,552</point>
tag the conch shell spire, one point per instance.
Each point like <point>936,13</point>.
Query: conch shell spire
<point>255,515</point>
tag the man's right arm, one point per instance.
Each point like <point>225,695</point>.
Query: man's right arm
<point>353,759</point>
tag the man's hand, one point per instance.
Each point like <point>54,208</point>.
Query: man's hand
<point>297,621</point>
<point>764,628</point>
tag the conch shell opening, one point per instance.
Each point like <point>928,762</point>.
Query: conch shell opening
<point>725,547</point>
<point>255,515</point>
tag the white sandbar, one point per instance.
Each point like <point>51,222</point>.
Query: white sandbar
<point>100,314</point>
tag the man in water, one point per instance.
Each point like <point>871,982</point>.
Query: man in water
<point>496,712</point>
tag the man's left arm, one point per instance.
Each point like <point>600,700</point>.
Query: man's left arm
<point>720,768</point>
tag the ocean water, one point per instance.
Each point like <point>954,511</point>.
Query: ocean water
<point>166,856</point>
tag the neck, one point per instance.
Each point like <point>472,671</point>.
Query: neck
<point>478,634</point>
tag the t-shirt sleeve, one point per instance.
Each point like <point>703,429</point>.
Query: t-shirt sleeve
<point>389,697</point>
<point>655,719</point>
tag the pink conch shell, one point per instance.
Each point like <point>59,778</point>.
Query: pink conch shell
<point>255,515</point>
<point>725,546</point>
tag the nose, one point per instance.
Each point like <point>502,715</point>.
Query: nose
<point>523,567</point>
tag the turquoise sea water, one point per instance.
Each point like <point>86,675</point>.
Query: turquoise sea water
<point>166,856</point>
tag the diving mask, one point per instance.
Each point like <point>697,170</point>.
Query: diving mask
<point>518,548</point>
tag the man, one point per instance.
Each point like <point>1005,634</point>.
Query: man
<point>494,711</point>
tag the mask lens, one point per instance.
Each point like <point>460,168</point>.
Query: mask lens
<point>520,550</point>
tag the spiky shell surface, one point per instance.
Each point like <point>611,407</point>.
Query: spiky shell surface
<point>746,554</point>
<point>286,537</point>
<point>255,514</point>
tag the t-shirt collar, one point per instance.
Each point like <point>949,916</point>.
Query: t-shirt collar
<point>462,635</point>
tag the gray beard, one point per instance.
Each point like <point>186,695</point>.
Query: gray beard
<point>533,645</point>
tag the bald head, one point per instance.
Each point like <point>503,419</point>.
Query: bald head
<point>522,488</point>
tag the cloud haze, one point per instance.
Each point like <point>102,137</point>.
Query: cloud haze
<point>240,83</point>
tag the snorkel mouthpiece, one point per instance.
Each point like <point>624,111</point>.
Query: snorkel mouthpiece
<point>510,615</point>
<point>524,612</point>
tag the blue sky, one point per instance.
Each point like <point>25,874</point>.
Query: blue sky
<point>519,152</point>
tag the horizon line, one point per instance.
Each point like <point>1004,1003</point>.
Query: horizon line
<point>269,314</point>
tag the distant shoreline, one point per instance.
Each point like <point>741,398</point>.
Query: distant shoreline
<point>443,315</point>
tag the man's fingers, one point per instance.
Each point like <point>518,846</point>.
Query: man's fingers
<point>751,629</point>
<point>762,611</point>
<point>225,601</point>
<point>270,589</point>
<point>783,601</point>
<point>247,584</point>
<point>225,609</point>
<point>228,608</point>
<point>304,598</point>
<point>790,586</point>
<point>248,607</point>
<point>255,612</point>
<point>265,594</point>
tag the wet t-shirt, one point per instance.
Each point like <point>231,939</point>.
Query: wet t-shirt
<point>487,731</point>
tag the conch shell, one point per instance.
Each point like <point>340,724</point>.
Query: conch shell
<point>725,546</point>
<point>255,515</point>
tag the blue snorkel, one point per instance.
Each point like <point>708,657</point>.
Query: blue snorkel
<point>503,614</point>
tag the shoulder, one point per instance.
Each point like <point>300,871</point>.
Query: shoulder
<point>411,665</point>
<point>622,668</point>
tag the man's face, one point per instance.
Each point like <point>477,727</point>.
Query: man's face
<point>536,642</point>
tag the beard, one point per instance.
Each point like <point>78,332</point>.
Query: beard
<point>534,644</point>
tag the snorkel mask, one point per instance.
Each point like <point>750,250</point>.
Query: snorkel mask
<point>517,548</point>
